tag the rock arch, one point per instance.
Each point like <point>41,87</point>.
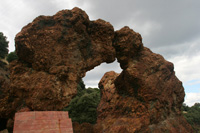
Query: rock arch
<point>59,50</point>
<point>56,51</point>
<point>93,76</point>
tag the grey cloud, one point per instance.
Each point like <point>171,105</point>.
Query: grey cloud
<point>192,98</point>
<point>42,7</point>
<point>16,14</point>
<point>177,21</point>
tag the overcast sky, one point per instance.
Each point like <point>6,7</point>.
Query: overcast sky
<point>170,28</point>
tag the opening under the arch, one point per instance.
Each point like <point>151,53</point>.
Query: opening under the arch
<point>93,76</point>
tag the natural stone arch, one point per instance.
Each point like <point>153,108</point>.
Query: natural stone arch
<point>56,51</point>
<point>59,50</point>
<point>92,77</point>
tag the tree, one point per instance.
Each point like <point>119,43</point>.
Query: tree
<point>83,107</point>
<point>185,107</point>
<point>11,56</point>
<point>192,115</point>
<point>3,46</point>
<point>81,86</point>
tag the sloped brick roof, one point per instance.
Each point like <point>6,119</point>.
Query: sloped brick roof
<point>42,122</point>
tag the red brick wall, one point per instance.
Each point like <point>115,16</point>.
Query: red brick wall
<point>42,122</point>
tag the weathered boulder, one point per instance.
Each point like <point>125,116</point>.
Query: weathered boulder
<point>56,51</point>
<point>4,78</point>
<point>146,96</point>
<point>125,112</point>
<point>4,94</point>
<point>83,128</point>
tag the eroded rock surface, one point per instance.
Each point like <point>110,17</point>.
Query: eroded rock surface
<point>4,78</point>
<point>120,111</point>
<point>146,96</point>
<point>56,51</point>
<point>4,93</point>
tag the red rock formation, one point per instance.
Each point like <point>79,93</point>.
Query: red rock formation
<point>4,93</point>
<point>83,128</point>
<point>4,78</point>
<point>56,51</point>
<point>146,96</point>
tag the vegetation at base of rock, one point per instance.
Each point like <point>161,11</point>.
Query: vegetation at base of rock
<point>192,115</point>
<point>83,108</point>
<point>81,86</point>
<point>11,57</point>
<point>3,46</point>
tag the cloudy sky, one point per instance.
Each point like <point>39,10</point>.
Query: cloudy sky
<point>170,28</point>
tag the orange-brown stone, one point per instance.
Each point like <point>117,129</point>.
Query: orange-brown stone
<point>56,51</point>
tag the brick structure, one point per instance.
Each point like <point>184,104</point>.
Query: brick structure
<point>42,122</point>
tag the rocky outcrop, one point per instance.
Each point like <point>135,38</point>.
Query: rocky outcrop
<point>83,128</point>
<point>118,111</point>
<point>4,92</point>
<point>56,51</point>
<point>4,78</point>
<point>146,96</point>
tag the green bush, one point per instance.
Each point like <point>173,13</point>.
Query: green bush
<point>11,57</point>
<point>83,107</point>
<point>192,115</point>
<point>81,86</point>
<point>3,46</point>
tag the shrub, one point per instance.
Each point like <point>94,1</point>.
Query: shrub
<point>83,107</point>
<point>11,57</point>
<point>3,46</point>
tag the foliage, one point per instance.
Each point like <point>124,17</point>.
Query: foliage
<point>3,46</point>
<point>11,56</point>
<point>81,86</point>
<point>185,107</point>
<point>83,107</point>
<point>192,115</point>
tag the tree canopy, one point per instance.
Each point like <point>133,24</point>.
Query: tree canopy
<point>192,115</point>
<point>11,56</point>
<point>83,107</point>
<point>3,46</point>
